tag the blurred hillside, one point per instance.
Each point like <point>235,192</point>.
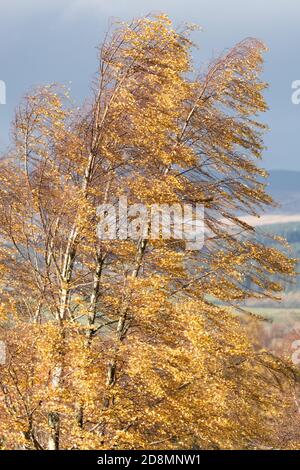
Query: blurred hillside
<point>284,187</point>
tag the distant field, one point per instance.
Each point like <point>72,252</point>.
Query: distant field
<point>270,219</point>
<point>277,315</point>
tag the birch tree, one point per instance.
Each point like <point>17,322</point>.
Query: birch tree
<point>132,343</point>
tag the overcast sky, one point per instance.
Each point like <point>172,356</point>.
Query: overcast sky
<point>44,41</point>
